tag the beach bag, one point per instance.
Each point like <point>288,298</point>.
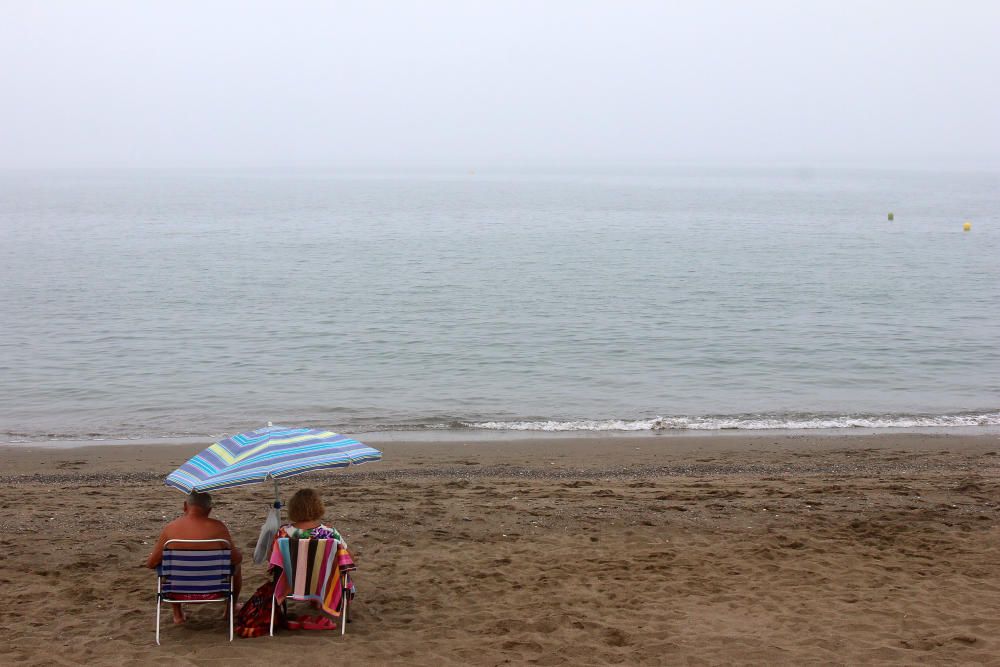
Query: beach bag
<point>254,619</point>
<point>267,532</point>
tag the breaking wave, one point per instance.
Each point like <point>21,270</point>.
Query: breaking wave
<point>755,422</point>
<point>451,426</point>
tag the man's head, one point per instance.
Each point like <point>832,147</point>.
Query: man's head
<point>199,502</point>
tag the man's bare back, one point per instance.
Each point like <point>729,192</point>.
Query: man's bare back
<point>193,527</point>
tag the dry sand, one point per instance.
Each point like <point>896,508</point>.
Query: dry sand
<point>659,550</point>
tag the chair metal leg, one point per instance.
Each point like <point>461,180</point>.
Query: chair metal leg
<point>231,621</point>
<point>343,618</point>
<point>274,608</point>
<point>345,594</point>
<point>159,600</point>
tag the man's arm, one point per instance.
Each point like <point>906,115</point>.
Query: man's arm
<point>236,555</point>
<point>156,557</point>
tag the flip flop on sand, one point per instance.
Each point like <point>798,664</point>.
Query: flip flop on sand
<point>296,623</point>
<point>318,623</point>
<point>300,622</point>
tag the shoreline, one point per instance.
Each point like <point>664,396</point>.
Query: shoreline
<point>592,446</point>
<point>502,436</point>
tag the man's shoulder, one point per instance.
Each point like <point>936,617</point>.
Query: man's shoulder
<point>171,525</point>
<point>218,523</point>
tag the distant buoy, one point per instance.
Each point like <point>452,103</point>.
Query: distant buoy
<point>890,215</point>
<point>967,226</point>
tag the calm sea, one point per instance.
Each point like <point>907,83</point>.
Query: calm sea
<point>165,303</point>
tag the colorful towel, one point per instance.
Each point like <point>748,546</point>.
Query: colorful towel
<point>254,619</point>
<point>312,570</point>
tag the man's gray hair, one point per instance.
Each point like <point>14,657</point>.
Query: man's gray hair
<point>199,499</point>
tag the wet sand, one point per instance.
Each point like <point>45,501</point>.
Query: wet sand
<point>792,549</point>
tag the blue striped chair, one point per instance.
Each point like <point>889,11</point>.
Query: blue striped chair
<point>188,569</point>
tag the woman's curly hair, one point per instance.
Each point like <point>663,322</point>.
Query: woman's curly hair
<point>305,505</point>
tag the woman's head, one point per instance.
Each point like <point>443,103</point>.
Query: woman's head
<point>305,505</point>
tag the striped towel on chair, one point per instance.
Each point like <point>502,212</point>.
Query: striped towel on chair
<point>311,570</point>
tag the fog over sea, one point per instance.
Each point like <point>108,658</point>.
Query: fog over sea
<point>146,303</point>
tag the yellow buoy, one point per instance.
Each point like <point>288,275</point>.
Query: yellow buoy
<point>890,215</point>
<point>967,226</point>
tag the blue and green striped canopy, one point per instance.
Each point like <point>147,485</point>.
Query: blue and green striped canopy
<point>273,451</point>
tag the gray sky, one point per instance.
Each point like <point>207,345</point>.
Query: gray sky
<point>478,83</point>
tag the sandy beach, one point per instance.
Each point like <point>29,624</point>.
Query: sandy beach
<point>736,549</point>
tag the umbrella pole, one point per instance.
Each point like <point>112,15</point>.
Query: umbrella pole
<point>277,497</point>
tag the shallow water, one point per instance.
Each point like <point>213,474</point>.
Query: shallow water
<point>151,303</point>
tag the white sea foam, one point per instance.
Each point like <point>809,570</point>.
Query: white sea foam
<point>749,423</point>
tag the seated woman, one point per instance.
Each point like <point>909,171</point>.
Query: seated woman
<point>305,510</point>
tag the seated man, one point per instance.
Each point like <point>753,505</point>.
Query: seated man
<point>195,524</point>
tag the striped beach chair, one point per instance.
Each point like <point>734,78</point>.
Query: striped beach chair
<point>193,574</point>
<point>313,570</point>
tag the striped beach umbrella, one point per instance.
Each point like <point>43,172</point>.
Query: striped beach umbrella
<point>271,452</point>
